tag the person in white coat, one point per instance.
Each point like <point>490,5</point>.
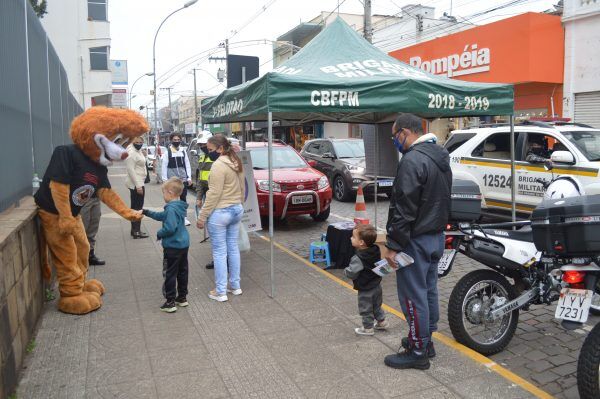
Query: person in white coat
<point>136,174</point>
<point>175,163</point>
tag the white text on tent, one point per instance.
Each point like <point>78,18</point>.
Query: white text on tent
<point>332,98</point>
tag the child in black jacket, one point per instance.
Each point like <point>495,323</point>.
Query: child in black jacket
<point>368,284</point>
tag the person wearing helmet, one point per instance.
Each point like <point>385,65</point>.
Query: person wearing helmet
<point>204,166</point>
<point>538,152</point>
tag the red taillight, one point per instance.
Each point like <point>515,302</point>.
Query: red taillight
<point>449,241</point>
<point>559,248</point>
<point>573,277</point>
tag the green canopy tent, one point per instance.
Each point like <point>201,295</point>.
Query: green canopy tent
<point>341,77</point>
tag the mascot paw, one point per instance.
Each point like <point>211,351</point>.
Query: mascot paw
<point>134,216</point>
<point>94,285</point>
<point>83,303</point>
<point>67,225</point>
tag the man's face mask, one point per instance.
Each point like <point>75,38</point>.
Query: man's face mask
<point>138,146</point>
<point>399,143</point>
<point>176,144</point>
<point>204,149</point>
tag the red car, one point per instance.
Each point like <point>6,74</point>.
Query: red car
<point>298,189</point>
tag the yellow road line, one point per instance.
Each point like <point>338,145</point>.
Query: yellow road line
<point>470,353</point>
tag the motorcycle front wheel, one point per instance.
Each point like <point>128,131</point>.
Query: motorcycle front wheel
<point>588,366</point>
<point>472,299</point>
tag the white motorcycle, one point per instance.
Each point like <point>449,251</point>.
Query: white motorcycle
<point>484,306</point>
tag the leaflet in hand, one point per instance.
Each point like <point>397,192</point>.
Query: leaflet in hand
<point>383,268</point>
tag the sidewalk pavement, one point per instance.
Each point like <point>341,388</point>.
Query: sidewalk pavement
<point>301,343</point>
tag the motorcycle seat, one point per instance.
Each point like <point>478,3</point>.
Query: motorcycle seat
<point>523,234</point>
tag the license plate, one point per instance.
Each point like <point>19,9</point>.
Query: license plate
<point>574,305</point>
<point>302,199</point>
<point>385,183</point>
<point>446,261</point>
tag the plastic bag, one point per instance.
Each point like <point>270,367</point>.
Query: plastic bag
<point>243,239</point>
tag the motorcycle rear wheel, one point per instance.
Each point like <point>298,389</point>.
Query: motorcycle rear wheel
<point>469,304</point>
<point>588,366</point>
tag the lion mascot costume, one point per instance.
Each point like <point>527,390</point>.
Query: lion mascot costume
<point>76,173</point>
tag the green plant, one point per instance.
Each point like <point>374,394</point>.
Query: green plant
<point>12,396</point>
<point>39,7</point>
<point>30,346</point>
<point>49,294</point>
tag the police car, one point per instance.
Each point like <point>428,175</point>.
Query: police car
<point>482,155</point>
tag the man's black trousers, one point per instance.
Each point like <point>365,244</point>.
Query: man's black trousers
<point>175,273</point>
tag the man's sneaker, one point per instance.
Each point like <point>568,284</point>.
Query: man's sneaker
<point>217,297</point>
<point>235,292</point>
<point>210,265</point>
<point>430,347</point>
<point>409,359</point>
<point>187,222</point>
<point>364,331</point>
<point>169,307</point>
<point>382,325</point>
<point>182,302</point>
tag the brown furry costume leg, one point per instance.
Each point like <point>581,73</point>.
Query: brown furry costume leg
<point>68,252</point>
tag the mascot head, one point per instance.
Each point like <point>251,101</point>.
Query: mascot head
<point>102,133</point>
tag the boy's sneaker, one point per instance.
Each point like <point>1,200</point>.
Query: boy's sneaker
<point>181,302</point>
<point>235,292</point>
<point>217,297</point>
<point>169,307</point>
<point>364,331</point>
<point>187,222</point>
<point>382,325</point>
<point>430,347</point>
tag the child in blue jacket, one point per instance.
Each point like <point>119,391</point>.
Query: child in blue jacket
<point>175,241</point>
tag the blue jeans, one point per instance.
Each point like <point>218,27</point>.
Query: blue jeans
<point>223,227</point>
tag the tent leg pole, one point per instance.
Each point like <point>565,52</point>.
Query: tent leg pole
<point>376,174</point>
<point>512,170</point>
<point>270,154</point>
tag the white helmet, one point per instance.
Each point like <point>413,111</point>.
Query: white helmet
<point>563,187</point>
<point>204,136</point>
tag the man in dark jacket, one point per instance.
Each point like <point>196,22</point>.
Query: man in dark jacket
<point>419,211</point>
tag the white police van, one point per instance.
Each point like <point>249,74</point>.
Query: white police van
<point>482,155</point>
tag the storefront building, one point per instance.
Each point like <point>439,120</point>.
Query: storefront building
<point>526,50</point>
<point>581,101</point>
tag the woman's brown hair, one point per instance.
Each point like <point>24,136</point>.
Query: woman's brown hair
<point>218,140</point>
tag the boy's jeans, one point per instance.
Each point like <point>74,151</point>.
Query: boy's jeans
<point>175,273</point>
<point>223,227</point>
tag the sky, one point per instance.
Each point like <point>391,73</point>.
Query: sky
<point>190,36</point>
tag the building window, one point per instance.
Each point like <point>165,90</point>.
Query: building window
<point>97,10</point>
<point>99,58</point>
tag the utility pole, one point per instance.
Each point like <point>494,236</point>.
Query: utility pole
<point>195,106</point>
<point>170,109</point>
<point>368,28</point>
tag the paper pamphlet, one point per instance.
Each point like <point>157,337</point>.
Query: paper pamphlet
<point>383,268</point>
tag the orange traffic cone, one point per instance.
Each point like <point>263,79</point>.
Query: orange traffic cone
<point>360,209</point>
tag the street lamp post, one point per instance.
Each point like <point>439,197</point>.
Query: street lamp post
<point>131,91</point>
<point>186,5</point>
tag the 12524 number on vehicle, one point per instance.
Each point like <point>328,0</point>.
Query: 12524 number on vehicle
<point>497,180</point>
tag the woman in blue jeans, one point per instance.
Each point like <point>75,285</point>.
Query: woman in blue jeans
<point>221,214</point>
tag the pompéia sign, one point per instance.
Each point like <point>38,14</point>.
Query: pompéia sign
<point>471,60</point>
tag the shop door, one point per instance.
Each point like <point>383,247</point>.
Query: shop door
<point>587,108</point>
